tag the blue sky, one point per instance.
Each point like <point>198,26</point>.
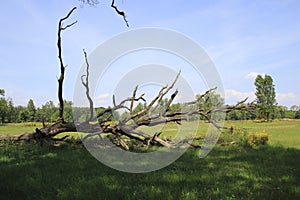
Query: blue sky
<point>243,38</point>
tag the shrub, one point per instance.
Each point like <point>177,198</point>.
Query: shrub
<point>244,138</point>
<point>256,139</point>
<point>234,135</point>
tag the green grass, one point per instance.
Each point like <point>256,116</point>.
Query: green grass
<point>30,171</point>
<point>19,128</point>
<point>29,127</point>
<point>283,133</point>
<point>69,171</point>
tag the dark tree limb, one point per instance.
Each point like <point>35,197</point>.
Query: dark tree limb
<point>121,13</point>
<point>132,100</point>
<point>61,28</point>
<point>116,9</point>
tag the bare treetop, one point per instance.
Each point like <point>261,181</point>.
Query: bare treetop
<point>113,5</point>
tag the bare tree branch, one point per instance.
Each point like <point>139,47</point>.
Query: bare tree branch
<point>62,66</point>
<point>199,97</point>
<point>163,93</point>
<point>132,100</point>
<point>86,85</point>
<point>90,2</point>
<point>170,102</point>
<point>121,13</point>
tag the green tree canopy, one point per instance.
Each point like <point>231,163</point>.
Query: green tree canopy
<point>31,110</point>
<point>265,96</point>
<point>297,114</point>
<point>2,92</point>
<point>3,110</point>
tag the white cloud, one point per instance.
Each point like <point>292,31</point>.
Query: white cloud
<point>253,75</point>
<point>287,99</point>
<point>234,96</point>
<point>102,96</point>
<point>102,99</point>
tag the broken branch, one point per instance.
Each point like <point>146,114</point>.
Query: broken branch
<point>121,13</point>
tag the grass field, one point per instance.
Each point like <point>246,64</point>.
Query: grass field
<point>283,133</point>
<point>46,172</point>
<point>19,128</point>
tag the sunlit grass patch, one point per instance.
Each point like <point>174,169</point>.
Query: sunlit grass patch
<point>19,128</point>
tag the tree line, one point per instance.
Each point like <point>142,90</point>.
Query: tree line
<point>49,112</point>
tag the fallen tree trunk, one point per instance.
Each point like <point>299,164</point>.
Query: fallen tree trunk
<point>43,133</point>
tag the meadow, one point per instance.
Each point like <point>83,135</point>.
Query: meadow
<point>271,171</point>
<point>19,128</point>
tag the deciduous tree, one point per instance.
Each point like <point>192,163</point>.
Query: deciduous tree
<point>31,110</point>
<point>3,110</point>
<point>265,96</point>
<point>297,114</point>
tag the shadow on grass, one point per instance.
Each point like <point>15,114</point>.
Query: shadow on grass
<point>33,172</point>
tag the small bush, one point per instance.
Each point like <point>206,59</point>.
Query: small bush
<point>244,138</point>
<point>256,139</point>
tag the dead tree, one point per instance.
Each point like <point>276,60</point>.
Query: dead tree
<point>61,28</point>
<point>48,132</point>
<point>123,131</point>
<point>152,116</point>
